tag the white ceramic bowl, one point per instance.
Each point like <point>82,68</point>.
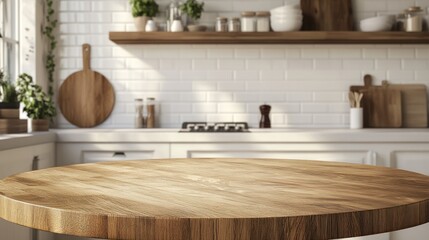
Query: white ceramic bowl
<point>286,25</point>
<point>286,15</point>
<point>377,24</point>
<point>287,9</point>
<point>275,17</point>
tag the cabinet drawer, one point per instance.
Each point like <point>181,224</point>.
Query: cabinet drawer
<point>101,156</point>
<point>75,153</point>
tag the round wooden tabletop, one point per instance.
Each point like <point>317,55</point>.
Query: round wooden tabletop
<point>216,199</point>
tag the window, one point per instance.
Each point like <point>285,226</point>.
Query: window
<point>9,44</point>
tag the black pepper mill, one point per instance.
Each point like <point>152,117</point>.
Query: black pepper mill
<point>265,116</point>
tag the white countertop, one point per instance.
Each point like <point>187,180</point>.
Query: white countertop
<point>9,141</point>
<point>255,135</point>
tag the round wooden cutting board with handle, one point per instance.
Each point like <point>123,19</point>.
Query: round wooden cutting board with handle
<point>86,98</point>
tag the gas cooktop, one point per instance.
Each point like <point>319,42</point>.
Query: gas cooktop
<point>215,127</point>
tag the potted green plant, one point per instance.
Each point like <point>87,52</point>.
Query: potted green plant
<point>193,10</point>
<point>8,94</point>
<point>142,11</point>
<point>37,104</point>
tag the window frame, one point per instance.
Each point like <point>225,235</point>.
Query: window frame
<point>9,42</point>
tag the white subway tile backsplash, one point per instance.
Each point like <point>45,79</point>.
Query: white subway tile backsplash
<point>409,64</point>
<point>204,107</point>
<point>206,64</point>
<point>94,17</point>
<point>273,75</point>
<point>306,85</point>
<point>358,64</point>
<point>193,97</point>
<point>285,108</point>
<point>109,6</point>
<point>314,107</point>
<point>272,53</point>
<point>299,97</point>
<point>220,117</point>
<point>74,6</point>
<point>220,97</point>
<point>235,64</point>
<point>327,64</point>
<point>247,75</point>
<point>328,119</point>
<point>315,53</point>
<point>176,86</point>
<point>204,86</point>
<point>374,53</point>
<point>298,119</point>
<point>220,53</point>
<point>299,64</point>
<point>134,63</point>
<point>231,86</point>
<point>247,53</point>
<point>232,107</point>
<point>401,53</point>
<point>328,97</point>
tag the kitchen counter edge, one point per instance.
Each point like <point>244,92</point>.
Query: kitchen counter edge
<point>11,141</point>
<point>254,136</point>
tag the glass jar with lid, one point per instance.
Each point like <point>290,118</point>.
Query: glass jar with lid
<point>139,119</point>
<point>263,21</point>
<point>151,112</point>
<point>234,25</point>
<point>221,24</point>
<point>248,22</point>
<point>414,19</point>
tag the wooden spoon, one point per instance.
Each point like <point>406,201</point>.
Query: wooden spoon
<point>352,100</point>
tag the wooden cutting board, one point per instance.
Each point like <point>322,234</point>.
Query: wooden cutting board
<point>414,104</point>
<point>382,105</point>
<point>327,15</point>
<point>86,98</point>
<point>385,107</point>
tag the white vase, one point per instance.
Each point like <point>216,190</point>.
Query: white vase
<point>151,26</point>
<point>140,23</point>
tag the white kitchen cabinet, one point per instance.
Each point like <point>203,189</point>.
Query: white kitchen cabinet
<point>323,152</point>
<point>75,153</point>
<point>20,160</point>
<point>411,157</point>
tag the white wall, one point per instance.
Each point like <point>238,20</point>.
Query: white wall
<point>305,84</point>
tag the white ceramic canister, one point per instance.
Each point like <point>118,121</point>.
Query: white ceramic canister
<point>356,118</point>
<point>263,21</point>
<point>414,19</point>
<point>248,22</point>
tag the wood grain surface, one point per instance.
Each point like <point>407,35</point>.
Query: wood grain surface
<point>13,126</point>
<point>86,98</point>
<point>216,199</point>
<point>414,104</point>
<point>302,37</point>
<point>385,107</point>
<point>327,15</point>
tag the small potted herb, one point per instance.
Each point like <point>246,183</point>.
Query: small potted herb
<point>142,11</point>
<point>193,10</point>
<point>37,104</point>
<point>8,94</point>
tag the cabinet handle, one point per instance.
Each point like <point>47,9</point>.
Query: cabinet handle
<point>119,154</point>
<point>34,234</point>
<point>35,165</point>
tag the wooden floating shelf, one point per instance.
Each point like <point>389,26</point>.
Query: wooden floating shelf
<point>314,37</point>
